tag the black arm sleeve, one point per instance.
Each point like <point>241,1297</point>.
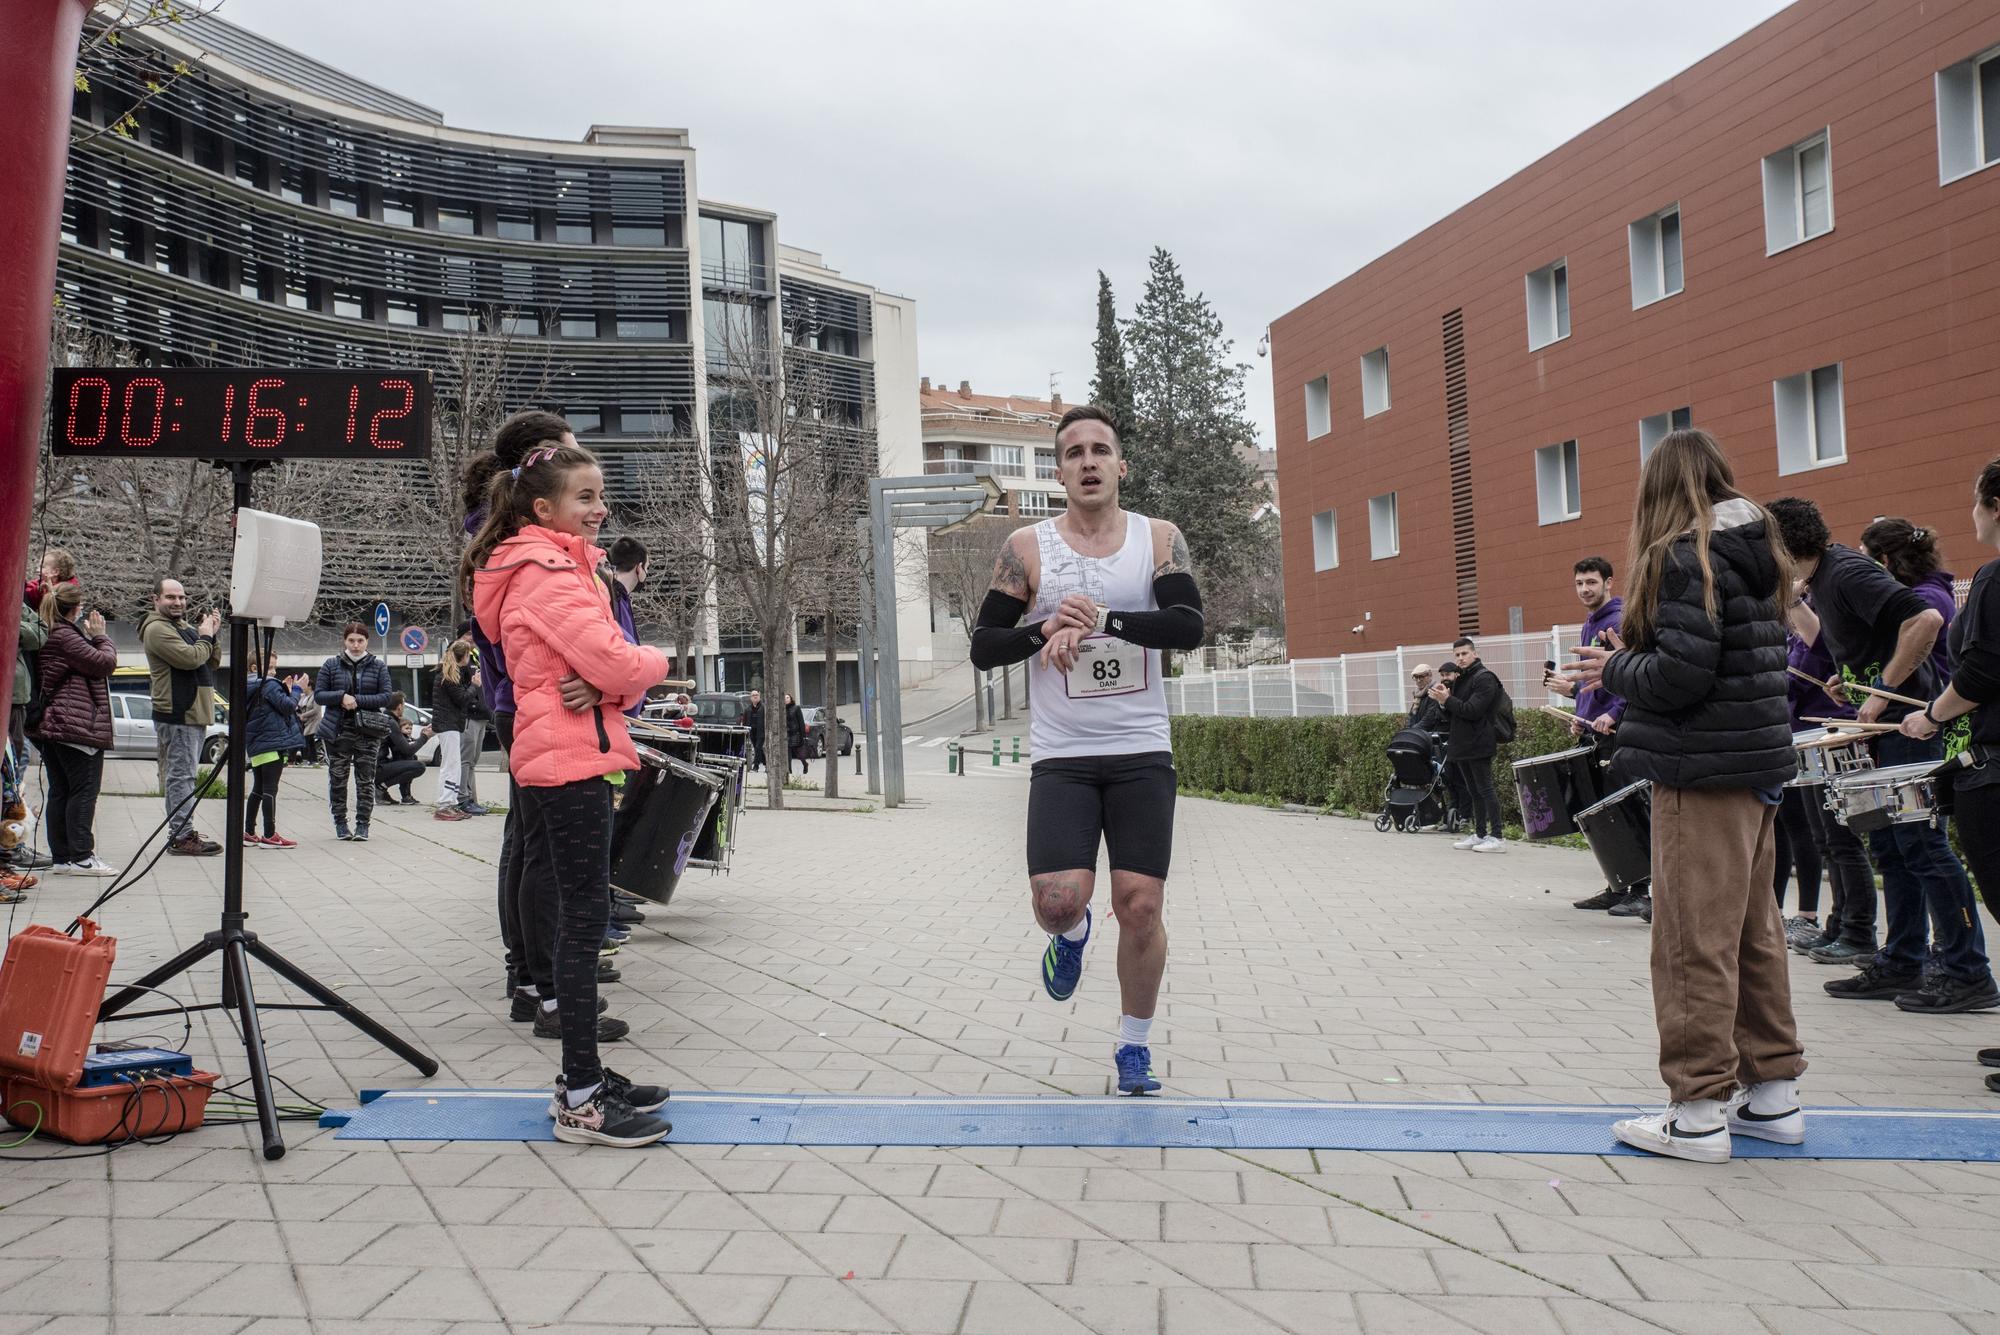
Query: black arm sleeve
<point>1178,624</point>
<point>997,638</point>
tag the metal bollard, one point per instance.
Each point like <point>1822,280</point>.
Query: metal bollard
<point>1017,750</point>
<point>996,753</point>
<point>951,758</point>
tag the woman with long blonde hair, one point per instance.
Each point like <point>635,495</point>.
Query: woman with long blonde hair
<point>1702,672</point>
<point>453,703</point>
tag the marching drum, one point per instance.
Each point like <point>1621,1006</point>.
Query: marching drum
<point>716,839</point>
<point>1875,799</point>
<point>1555,787</point>
<point>1825,754</point>
<point>1620,831</point>
<point>720,739</point>
<point>662,810</point>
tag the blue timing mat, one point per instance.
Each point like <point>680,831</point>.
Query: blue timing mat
<point>824,1119</point>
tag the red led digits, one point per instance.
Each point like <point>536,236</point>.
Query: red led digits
<point>391,414</point>
<point>135,390</point>
<point>273,415</point>
<point>102,388</point>
<point>228,412</point>
<point>353,408</point>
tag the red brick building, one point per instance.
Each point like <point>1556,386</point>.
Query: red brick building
<point>1795,243</point>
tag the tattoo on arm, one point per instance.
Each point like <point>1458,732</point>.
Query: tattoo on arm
<point>1178,561</point>
<point>1010,572</point>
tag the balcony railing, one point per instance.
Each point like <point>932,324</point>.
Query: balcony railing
<point>744,277</point>
<point>960,465</point>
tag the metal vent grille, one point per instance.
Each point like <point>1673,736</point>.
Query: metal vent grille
<point>1465,556</point>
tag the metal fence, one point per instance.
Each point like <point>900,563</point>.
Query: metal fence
<point>1374,683</point>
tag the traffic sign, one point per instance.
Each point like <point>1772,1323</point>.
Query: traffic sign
<point>414,639</point>
<point>382,620</point>
<point>413,660</point>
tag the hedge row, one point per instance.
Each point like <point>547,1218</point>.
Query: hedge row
<point>1339,762</point>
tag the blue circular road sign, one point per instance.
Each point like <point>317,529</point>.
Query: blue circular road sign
<point>382,620</point>
<point>414,639</point>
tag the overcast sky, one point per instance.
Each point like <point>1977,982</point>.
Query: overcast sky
<point>988,159</point>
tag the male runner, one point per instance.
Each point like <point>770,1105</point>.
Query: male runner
<point>1105,590</point>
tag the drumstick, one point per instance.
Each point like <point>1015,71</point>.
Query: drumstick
<point>1851,724</point>
<point>1562,714</point>
<point>1830,686</point>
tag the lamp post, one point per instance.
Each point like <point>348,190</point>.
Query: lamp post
<point>938,501</point>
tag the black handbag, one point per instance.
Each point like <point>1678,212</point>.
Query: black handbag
<point>372,722</point>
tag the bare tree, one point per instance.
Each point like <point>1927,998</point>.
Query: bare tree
<point>778,492</point>
<point>129,76</point>
<point>962,572</point>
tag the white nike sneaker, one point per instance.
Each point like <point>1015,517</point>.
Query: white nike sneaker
<point>1467,844</point>
<point>91,866</point>
<point>1785,1127</point>
<point>1492,843</point>
<point>1665,1132</point>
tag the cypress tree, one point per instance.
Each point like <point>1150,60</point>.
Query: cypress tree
<point>1111,387</point>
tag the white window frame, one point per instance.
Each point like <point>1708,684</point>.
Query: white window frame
<point>1795,405</point>
<point>1785,189</point>
<point>1385,528</point>
<point>1375,382</point>
<point>1646,241</point>
<point>1541,284</point>
<point>1552,478</point>
<point>1963,150</point>
<point>1319,407</point>
<point>1654,429</point>
<point>1326,541</point>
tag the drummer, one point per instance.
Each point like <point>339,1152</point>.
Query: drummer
<point>1847,936</point>
<point>1880,634</point>
<point>1597,709</point>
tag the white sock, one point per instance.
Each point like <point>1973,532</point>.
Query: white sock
<point>527,990</point>
<point>576,1098</point>
<point>1133,1032</point>
<point>1078,932</point>
<point>1774,1096</point>
<point>1700,1115</point>
<point>549,1006</point>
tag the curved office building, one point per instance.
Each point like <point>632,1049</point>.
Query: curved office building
<point>267,209</point>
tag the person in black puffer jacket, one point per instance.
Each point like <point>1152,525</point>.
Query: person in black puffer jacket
<point>1706,721</point>
<point>1471,701</point>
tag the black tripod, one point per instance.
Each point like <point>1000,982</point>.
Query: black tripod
<point>233,940</point>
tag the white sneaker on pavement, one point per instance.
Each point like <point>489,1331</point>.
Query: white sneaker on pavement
<point>1492,843</point>
<point>91,866</point>
<point>1467,844</point>
<point>1769,1111</point>
<point>1683,1131</point>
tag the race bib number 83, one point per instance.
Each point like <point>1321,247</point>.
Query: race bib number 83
<point>1106,666</point>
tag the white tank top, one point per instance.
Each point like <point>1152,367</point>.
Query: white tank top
<point>1112,703</point>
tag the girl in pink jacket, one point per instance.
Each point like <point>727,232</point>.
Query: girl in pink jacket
<point>533,572</point>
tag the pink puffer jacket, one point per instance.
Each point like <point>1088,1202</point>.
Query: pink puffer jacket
<point>539,596</point>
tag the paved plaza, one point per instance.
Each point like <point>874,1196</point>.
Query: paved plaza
<point>891,953</point>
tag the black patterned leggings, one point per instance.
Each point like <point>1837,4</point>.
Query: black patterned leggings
<point>577,818</point>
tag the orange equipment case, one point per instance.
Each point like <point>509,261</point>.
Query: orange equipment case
<point>100,1114</point>
<point>51,985</point>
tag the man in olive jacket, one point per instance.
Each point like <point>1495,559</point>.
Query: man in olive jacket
<point>183,660</point>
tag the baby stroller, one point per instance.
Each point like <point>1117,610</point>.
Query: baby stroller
<point>1418,795</point>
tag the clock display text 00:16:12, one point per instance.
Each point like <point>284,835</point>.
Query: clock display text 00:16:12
<point>242,414</point>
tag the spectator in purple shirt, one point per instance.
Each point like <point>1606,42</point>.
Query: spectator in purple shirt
<point>1597,709</point>
<point>1910,554</point>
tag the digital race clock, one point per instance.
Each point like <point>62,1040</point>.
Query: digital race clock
<point>166,413</point>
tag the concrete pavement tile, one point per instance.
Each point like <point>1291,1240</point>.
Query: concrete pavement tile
<point>1605,1235</point>
<point>726,1300</point>
<point>866,1254</point>
<point>1294,1310</point>
<point>619,1208</point>
<point>339,1291</point>
<point>540,1296</point>
<point>1798,1321</point>
<point>953,1216</point>
<point>537,1205</point>
<point>1499,1316</point>
<point>78,1287</point>
<point>250,1290</point>
<point>1465,1273</point>
<point>1200,1311</point>
<point>683,1251</point>
<point>1292,1223</point>
<point>433,1294</point>
<point>151,1288</point>
<point>600,1249</point>
<point>1209,1264</point>
<point>1396,1269</point>
<point>85,1238</point>
<point>929,1256</point>
<point>1696,1280</point>
<point>873,1214</point>
<point>1395,1314</point>
<point>918,1306</point>
<point>1030,1260</point>
<point>823,1304</point>
<point>788,1213</point>
<point>761,1254</point>
<point>1002,1307</point>
<point>1696,1318</point>
<point>1912,1288</point>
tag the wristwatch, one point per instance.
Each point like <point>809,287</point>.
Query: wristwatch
<point>1103,612</point>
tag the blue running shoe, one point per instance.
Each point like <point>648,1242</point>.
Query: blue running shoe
<point>1135,1069</point>
<point>1062,963</point>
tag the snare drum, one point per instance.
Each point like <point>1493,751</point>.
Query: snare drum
<point>1870,800</point>
<point>661,811</point>
<point>1825,753</point>
<point>1620,831</point>
<point>716,839</point>
<point>1555,787</point>
<point>720,739</point>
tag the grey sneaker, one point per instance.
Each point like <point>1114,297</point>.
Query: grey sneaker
<point>1802,928</point>
<point>1841,952</point>
<point>1635,905</point>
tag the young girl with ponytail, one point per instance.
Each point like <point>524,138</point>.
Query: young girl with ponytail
<point>533,572</point>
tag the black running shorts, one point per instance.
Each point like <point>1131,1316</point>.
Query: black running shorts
<point>1128,801</point>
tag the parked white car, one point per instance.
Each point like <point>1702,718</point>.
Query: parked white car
<point>132,728</point>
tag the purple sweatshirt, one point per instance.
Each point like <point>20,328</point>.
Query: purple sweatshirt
<point>1935,590</point>
<point>1594,702</point>
<point>1807,700</point>
<point>496,688</point>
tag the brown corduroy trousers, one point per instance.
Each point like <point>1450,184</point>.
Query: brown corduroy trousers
<point>1722,988</point>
